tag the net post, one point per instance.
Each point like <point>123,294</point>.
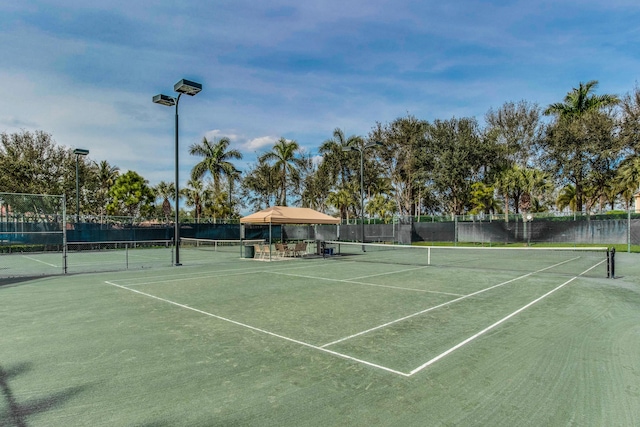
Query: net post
<point>126,254</point>
<point>612,256</point>
<point>608,263</point>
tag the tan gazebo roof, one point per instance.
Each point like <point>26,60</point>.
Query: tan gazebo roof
<point>287,215</point>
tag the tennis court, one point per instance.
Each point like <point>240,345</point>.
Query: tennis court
<point>529,338</point>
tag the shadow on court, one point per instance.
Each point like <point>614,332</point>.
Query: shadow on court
<point>16,413</point>
<point>14,281</point>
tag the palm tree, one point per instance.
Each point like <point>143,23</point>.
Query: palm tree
<point>570,144</point>
<point>107,175</point>
<point>165,191</point>
<point>380,186</point>
<point>381,206</point>
<point>482,199</point>
<point>259,185</point>
<point>337,162</point>
<point>535,184</point>
<point>233,175</point>
<point>507,184</point>
<point>216,160</point>
<point>521,186</point>
<point>285,163</point>
<point>196,195</point>
<point>315,186</point>
<point>601,188</point>
<point>580,101</point>
<point>341,200</point>
<point>629,178</point>
<point>631,120</point>
<point>567,197</point>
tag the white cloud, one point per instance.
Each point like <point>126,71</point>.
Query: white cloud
<point>260,142</point>
<point>217,134</point>
<point>292,69</point>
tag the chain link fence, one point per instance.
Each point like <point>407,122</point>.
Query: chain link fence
<point>31,224</point>
<point>36,238</point>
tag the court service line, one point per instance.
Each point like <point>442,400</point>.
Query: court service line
<point>389,272</point>
<point>362,283</point>
<point>208,276</point>
<point>253,328</point>
<point>178,277</point>
<point>504,319</point>
<point>37,260</point>
<point>375,328</point>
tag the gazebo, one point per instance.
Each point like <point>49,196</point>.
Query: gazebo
<point>287,215</point>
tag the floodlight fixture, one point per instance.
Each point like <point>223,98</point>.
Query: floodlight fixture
<point>187,87</point>
<point>80,152</point>
<point>167,100</point>
<point>190,88</point>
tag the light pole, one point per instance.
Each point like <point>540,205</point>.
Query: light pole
<point>361,150</point>
<point>190,88</point>
<point>78,152</point>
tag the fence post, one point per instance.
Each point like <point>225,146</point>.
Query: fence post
<point>64,234</point>
<point>629,228</point>
<point>455,230</point>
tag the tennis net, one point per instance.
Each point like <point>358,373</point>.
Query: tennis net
<point>587,261</point>
<point>237,247</point>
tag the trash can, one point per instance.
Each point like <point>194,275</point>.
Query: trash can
<point>249,251</point>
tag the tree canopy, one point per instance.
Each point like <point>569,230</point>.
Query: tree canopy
<point>579,154</point>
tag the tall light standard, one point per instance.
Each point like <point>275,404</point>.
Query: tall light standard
<point>78,152</point>
<point>182,87</point>
<point>361,150</point>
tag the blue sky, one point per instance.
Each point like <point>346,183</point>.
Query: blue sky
<point>86,71</point>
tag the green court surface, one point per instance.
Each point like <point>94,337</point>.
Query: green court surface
<point>227,341</point>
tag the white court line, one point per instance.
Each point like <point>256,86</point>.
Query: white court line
<point>441,305</point>
<point>208,276</point>
<point>344,356</point>
<point>253,328</point>
<point>362,283</point>
<point>389,272</point>
<point>504,319</point>
<point>37,260</point>
<point>154,258</point>
<point>179,277</point>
